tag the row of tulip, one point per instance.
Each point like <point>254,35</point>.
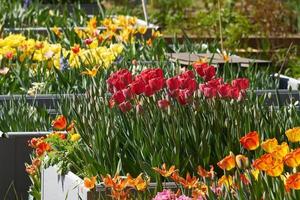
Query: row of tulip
<point>247,175</point>
<point>124,87</point>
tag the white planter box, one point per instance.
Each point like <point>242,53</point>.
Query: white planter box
<point>70,187</point>
<point>58,187</point>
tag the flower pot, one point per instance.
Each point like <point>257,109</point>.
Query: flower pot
<point>68,187</point>
<point>14,152</point>
<point>71,187</point>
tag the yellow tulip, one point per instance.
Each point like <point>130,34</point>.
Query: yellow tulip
<point>75,137</point>
<point>293,134</point>
<point>269,145</point>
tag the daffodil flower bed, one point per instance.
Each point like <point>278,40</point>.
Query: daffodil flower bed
<point>69,54</point>
<point>18,47</point>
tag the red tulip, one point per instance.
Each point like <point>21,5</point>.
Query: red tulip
<point>210,92</point>
<point>241,83</point>
<point>224,90</point>
<point>182,97</point>
<point>125,106</point>
<point>118,97</point>
<point>163,104</point>
<point>127,93</point>
<point>215,82</point>
<point>156,84</point>
<point>148,91</point>
<point>138,87</point>
<point>209,73</point>
<point>189,74</point>
<point>234,93</point>
<point>172,83</point>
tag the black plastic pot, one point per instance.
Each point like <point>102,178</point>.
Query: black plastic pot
<point>14,153</point>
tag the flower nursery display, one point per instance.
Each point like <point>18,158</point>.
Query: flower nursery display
<point>98,103</point>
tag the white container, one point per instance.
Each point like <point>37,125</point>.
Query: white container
<point>62,187</point>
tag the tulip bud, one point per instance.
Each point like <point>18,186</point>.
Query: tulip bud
<point>241,161</point>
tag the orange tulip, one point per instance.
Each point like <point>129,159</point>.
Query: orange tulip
<point>293,182</point>
<point>164,172</point>
<point>293,134</point>
<point>269,145</point>
<point>90,182</point>
<point>275,169</point>
<point>59,123</point>
<point>292,159</point>
<point>250,141</point>
<point>206,174</point>
<point>264,162</point>
<point>227,163</point>
<point>189,182</point>
<point>280,151</point>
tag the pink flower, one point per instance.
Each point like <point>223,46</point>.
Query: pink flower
<point>183,197</point>
<point>88,41</point>
<point>165,195</point>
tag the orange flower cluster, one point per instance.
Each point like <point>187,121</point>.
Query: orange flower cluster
<point>164,172</point>
<point>40,146</point>
<point>293,182</point>
<point>33,168</point>
<point>273,162</point>
<point>120,186</point>
<point>199,189</point>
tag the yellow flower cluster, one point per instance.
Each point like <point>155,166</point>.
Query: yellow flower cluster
<point>17,46</point>
<point>121,28</point>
